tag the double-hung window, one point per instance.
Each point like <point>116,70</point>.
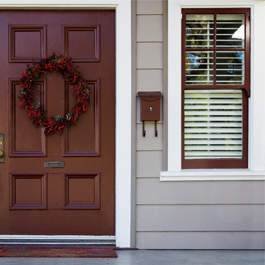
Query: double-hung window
<point>215,87</point>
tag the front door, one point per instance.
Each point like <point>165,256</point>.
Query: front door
<point>58,184</point>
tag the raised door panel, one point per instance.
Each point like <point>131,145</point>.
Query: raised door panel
<point>20,127</point>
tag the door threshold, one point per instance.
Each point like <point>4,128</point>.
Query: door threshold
<point>56,240</point>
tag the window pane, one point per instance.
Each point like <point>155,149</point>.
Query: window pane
<point>199,68</point>
<point>230,67</point>
<point>199,31</point>
<point>213,124</point>
<point>230,32</point>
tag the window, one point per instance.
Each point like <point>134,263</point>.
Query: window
<point>215,87</point>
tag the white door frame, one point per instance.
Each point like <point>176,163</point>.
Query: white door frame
<point>123,98</point>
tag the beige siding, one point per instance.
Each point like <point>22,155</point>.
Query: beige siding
<point>149,56</point>
<point>149,69</point>
<point>200,218</point>
<point>149,164</point>
<point>149,142</point>
<point>149,7</point>
<point>149,80</point>
<point>150,28</point>
<point>183,215</point>
<point>201,240</point>
<point>204,192</point>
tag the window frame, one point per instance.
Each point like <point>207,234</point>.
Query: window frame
<point>172,170</point>
<point>223,162</point>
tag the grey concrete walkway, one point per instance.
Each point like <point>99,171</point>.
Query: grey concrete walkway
<point>156,257</point>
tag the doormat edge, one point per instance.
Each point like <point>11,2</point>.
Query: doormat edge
<point>58,252</point>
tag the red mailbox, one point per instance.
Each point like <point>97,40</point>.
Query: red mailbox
<point>150,107</point>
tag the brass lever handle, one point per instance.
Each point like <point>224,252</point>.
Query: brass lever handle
<point>1,153</point>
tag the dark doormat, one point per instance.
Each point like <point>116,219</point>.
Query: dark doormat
<point>59,252</point>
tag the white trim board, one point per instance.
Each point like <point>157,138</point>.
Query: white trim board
<point>212,175</point>
<point>53,240</point>
<point>256,101</point>
<point>123,98</point>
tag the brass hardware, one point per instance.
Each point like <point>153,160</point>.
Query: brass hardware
<point>54,164</point>
<point>2,148</point>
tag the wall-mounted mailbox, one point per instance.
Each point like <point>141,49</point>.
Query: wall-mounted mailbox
<point>150,108</point>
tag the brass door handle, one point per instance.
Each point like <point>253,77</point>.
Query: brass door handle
<point>1,153</point>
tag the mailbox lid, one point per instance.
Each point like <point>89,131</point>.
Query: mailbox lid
<point>150,105</point>
<point>150,95</point>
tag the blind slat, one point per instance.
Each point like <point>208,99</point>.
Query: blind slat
<point>213,107</point>
<point>207,118</point>
<point>213,136</point>
<point>213,124</point>
<point>213,142</point>
<point>213,130</point>
<point>214,113</point>
<point>212,153</point>
<point>214,148</point>
<point>215,91</point>
<point>215,101</point>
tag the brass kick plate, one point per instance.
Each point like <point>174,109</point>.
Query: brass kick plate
<point>54,164</point>
<point>2,148</point>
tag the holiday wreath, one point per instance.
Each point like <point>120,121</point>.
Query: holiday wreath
<point>35,112</point>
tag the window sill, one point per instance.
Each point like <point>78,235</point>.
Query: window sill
<point>211,175</point>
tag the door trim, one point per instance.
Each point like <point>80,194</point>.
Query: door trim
<point>123,101</point>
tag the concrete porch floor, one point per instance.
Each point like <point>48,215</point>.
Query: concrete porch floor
<point>156,257</point>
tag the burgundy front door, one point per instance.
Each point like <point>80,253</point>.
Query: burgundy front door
<point>58,185</point>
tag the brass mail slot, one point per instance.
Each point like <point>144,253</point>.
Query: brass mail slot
<point>54,164</point>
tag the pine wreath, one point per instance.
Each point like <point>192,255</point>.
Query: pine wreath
<point>35,112</point>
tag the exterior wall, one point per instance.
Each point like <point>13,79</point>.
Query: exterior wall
<point>149,75</point>
<point>184,214</point>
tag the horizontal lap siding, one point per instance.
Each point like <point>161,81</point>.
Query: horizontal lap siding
<point>149,142</point>
<point>183,215</point>
<point>149,80</point>
<point>201,240</point>
<point>151,191</point>
<point>198,218</point>
<point>149,74</point>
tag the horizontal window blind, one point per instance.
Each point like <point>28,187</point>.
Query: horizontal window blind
<point>199,68</point>
<point>212,124</point>
<point>230,31</point>
<point>206,54</point>
<point>230,67</point>
<point>199,31</point>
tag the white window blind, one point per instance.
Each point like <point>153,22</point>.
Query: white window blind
<point>199,44</point>
<point>199,31</point>
<point>230,31</point>
<point>213,124</point>
<point>199,68</point>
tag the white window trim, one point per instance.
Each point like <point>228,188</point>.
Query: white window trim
<point>256,170</point>
<point>123,98</point>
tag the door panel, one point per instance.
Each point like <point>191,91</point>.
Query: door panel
<point>21,144</point>
<point>79,198</point>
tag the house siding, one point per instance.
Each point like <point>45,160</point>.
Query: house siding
<point>183,215</point>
